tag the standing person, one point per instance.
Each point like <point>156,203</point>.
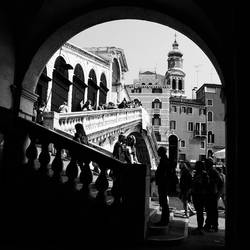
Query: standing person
<point>123,104</point>
<point>163,181</point>
<point>34,116</point>
<point>199,192</point>
<point>222,189</point>
<point>40,113</point>
<point>63,108</point>
<point>185,189</point>
<point>215,182</point>
<point>80,135</point>
<point>119,148</point>
<point>132,149</point>
<point>87,105</point>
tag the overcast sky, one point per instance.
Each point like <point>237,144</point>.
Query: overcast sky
<point>146,46</point>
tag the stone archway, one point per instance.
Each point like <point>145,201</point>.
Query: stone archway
<point>68,30</point>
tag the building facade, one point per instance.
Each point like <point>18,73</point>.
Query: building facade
<point>190,129</point>
<point>74,74</point>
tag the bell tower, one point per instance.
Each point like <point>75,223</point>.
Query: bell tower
<point>175,76</point>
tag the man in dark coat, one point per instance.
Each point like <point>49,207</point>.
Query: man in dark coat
<point>163,181</point>
<point>215,182</point>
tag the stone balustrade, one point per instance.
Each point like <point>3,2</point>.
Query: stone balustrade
<point>93,121</point>
<point>80,198</point>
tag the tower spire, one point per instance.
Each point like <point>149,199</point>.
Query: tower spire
<point>175,44</point>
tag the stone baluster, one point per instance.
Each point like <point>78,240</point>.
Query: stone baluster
<point>44,158</point>
<point>85,177</point>
<point>31,152</point>
<point>102,185</point>
<point>57,164</point>
<point>72,171</point>
<point>116,190</point>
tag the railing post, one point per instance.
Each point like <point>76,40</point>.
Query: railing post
<point>57,164</point>
<point>102,185</point>
<point>44,157</point>
<point>31,152</point>
<point>85,177</point>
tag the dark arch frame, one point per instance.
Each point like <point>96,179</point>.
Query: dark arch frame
<point>152,13</point>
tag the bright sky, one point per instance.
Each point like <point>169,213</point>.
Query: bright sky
<point>146,46</point>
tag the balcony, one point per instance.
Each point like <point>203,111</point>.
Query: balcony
<point>156,110</point>
<point>200,133</point>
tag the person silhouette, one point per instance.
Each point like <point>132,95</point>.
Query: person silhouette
<point>80,134</point>
<point>185,188</point>
<point>163,181</point>
<point>131,140</point>
<point>199,192</point>
<point>215,182</point>
<point>63,108</point>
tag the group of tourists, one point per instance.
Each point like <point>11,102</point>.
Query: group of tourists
<point>125,150</point>
<point>202,186</point>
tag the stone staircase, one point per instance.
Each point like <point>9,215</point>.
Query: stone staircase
<point>175,232</point>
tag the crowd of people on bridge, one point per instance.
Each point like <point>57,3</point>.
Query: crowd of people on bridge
<point>40,107</point>
<point>88,105</point>
<point>202,186</point>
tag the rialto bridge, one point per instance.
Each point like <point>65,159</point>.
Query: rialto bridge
<point>45,183</point>
<point>103,127</point>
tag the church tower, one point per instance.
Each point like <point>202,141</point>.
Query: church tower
<point>175,76</point>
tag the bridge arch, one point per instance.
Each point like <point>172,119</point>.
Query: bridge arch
<point>61,83</point>
<point>92,87</point>
<point>78,88</point>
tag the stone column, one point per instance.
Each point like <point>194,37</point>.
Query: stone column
<point>27,103</point>
<point>50,68</point>
<point>71,73</point>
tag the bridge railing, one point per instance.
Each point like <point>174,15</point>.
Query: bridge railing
<point>64,206</point>
<point>93,121</point>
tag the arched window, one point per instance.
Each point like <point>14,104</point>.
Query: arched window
<point>174,84</point>
<point>115,72</point>
<point>103,90</point>
<point>92,87</point>
<point>156,104</point>
<point>210,137</point>
<point>209,116</point>
<point>42,87</point>
<point>156,120</point>
<point>78,90</point>
<point>180,84</point>
<point>60,83</point>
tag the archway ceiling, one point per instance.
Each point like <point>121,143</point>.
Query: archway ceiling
<point>46,25</point>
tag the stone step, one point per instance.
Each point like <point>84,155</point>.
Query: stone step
<point>176,231</point>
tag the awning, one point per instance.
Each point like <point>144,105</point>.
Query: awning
<point>220,154</point>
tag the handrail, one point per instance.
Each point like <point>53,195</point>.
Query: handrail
<point>61,203</point>
<point>55,137</point>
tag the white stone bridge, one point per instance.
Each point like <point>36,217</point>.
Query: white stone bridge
<point>103,127</point>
